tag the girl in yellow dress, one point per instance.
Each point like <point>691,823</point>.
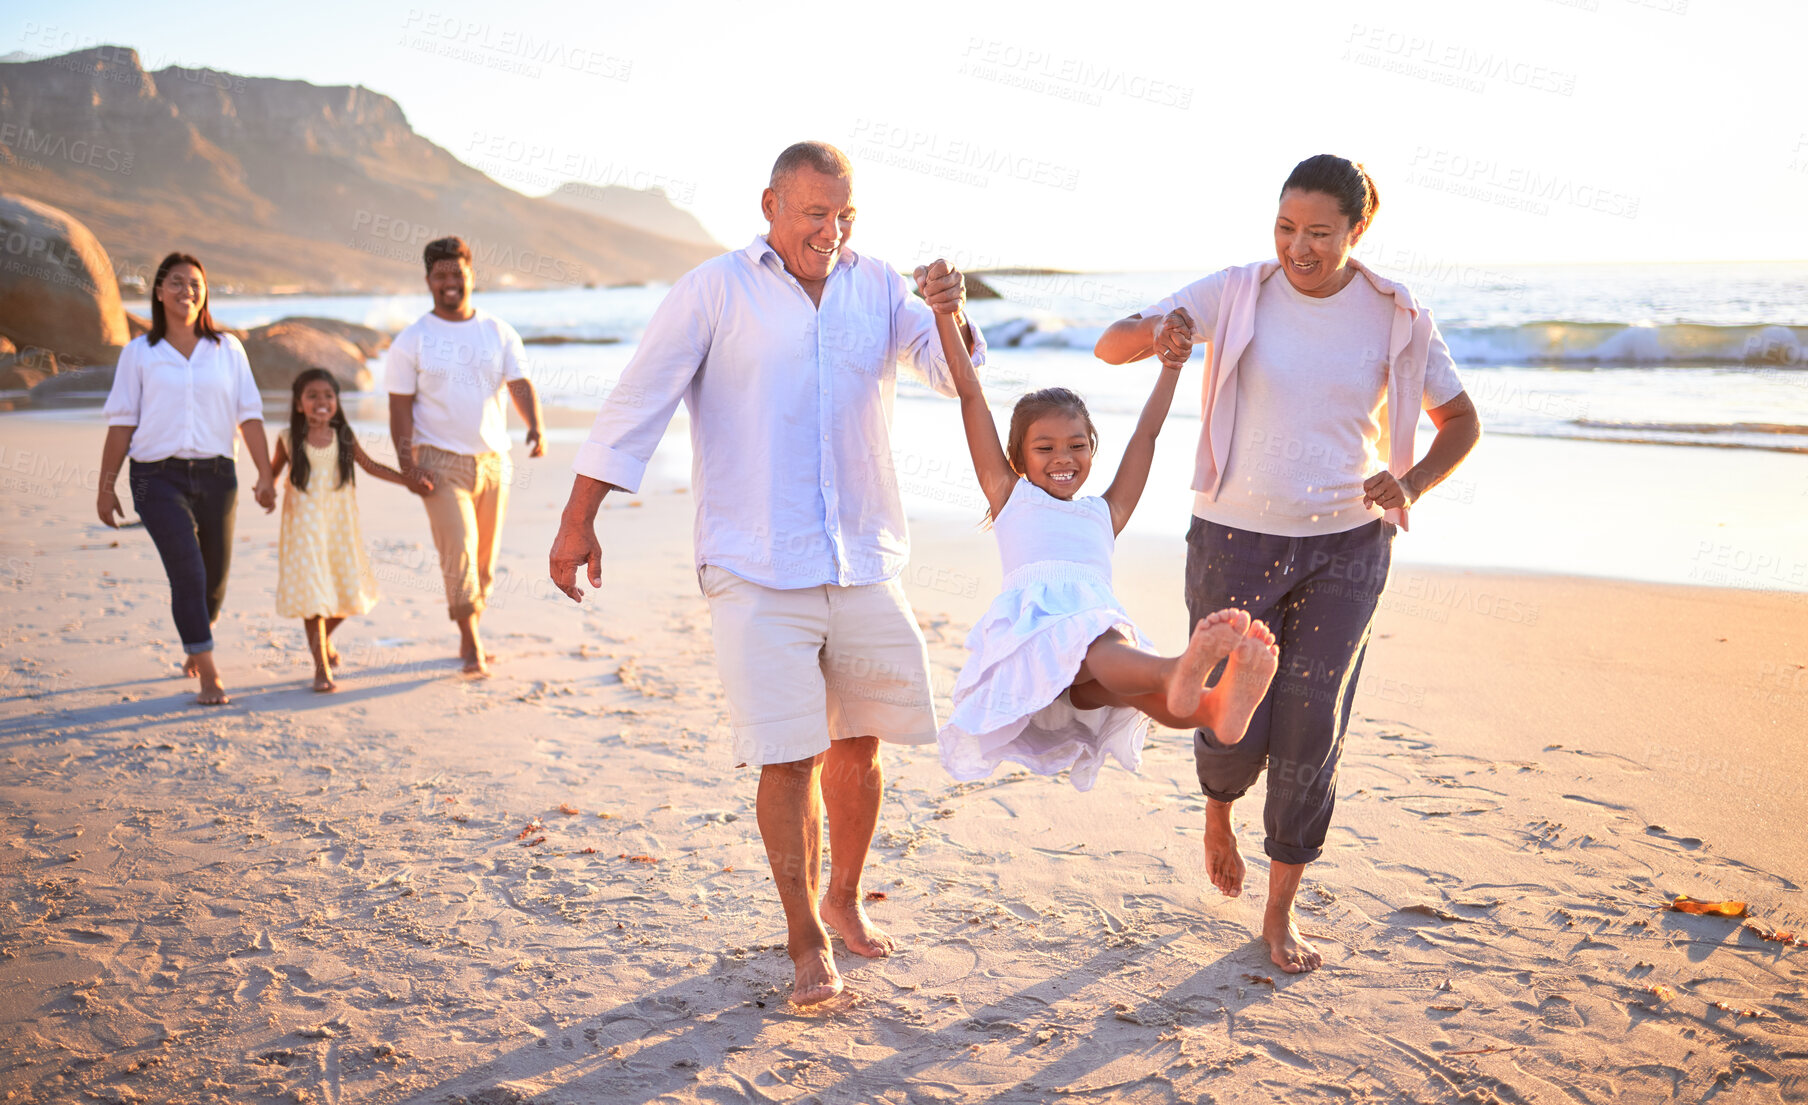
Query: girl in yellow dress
<point>322,574</point>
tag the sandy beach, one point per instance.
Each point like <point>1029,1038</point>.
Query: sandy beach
<point>548,886</point>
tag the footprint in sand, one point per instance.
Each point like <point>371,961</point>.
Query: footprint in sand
<point>934,966</point>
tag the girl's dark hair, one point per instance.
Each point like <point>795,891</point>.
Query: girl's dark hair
<point>204,326</point>
<point>1343,180</point>
<point>298,432</point>
<point>1037,404</point>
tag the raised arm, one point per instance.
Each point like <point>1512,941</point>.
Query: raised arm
<point>1174,336</point>
<point>1170,336</point>
<point>996,479</point>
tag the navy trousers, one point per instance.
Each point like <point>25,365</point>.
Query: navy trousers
<point>1319,595</point>
<point>188,507</point>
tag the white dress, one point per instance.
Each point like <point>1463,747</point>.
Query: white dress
<point>1011,701</point>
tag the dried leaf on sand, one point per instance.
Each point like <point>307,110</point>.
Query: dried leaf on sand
<point>1777,936</point>
<point>1686,904</point>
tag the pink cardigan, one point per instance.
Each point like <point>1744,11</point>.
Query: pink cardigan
<point>1407,349</point>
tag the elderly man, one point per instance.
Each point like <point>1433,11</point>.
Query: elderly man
<point>446,375</point>
<point>786,355</point>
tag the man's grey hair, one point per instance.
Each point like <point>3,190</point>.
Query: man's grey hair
<point>820,156</point>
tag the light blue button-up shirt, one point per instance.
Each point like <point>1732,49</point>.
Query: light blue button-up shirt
<point>790,409</point>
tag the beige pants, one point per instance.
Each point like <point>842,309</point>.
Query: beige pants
<point>807,666</point>
<point>470,495</point>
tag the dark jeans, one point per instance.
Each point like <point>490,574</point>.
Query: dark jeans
<point>1319,595</point>
<point>188,508</point>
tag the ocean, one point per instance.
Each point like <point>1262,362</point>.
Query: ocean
<point>1644,422</point>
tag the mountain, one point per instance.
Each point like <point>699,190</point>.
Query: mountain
<point>285,185</point>
<point>649,210</point>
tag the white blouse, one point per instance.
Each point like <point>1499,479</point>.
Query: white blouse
<point>187,407</point>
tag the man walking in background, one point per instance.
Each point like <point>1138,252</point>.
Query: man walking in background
<point>446,373</point>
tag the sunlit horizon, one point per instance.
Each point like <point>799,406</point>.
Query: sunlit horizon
<point>1567,132</point>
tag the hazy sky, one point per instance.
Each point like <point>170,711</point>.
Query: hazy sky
<point>1089,136</point>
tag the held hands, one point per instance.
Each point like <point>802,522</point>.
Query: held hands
<point>1386,492</point>
<point>417,481</point>
<point>265,492</point>
<point>536,445</point>
<point>942,286</point>
<point>1172,339</point>
<point>111,514</point>
<point>575,546</point>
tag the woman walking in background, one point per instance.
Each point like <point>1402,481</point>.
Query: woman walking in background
<point>1311,381</point>
<point>182,391</point>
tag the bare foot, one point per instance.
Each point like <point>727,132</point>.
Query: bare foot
<point>1289,950</point>
<point>816,979</point>
<point>213,693</point>
<point>857,930</point>
<point>476,664</point>
<point>1244,683</point>
<point>1222,861</point>
<point>332,655</point>
<point>1235,623</point>
<point>1213,638</point>
<point>323,682</point>
<point>191,667</point>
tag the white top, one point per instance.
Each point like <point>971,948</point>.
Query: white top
<point>790,411</point>
<point>1310,392</point>
<point>188,407</point>
<point>1037,528</point>
<point>456,372</point>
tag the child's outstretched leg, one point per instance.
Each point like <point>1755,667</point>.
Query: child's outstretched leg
<point>1116,670</point>
<point>1250,665</point>
<point>317,646</point>
<point>1227,708</point>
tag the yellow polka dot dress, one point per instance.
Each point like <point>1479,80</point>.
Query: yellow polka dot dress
<point>321,569</point>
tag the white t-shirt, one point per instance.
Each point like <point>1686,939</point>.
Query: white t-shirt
<point>188,407</point>
<point>456,372</point>
<point>1310,392</point>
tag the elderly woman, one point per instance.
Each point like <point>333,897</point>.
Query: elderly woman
<point>181,395</point>
<point>1317,369</point>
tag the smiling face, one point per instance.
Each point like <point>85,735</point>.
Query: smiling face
<point>1313,239</point>
<point>450,282</point>
<point>183,292</point>
<point>811,217</point>
<point>1057,453</point>
<point>318,402</point>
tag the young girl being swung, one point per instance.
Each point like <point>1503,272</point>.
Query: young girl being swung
<point>1058,676</point>
<point>322,574</point>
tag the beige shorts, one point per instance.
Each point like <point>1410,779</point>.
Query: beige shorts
<point>804,667</point>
